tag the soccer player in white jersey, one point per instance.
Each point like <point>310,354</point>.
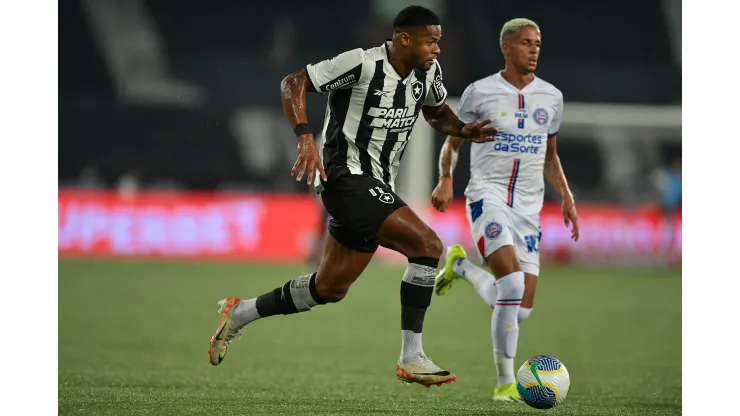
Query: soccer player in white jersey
<point>505,193</point>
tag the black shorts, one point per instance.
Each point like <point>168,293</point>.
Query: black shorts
<point>358,205</point>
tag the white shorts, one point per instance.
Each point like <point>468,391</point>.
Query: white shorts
<point>494,225</point>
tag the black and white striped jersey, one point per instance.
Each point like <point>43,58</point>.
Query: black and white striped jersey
<point>371,111</point>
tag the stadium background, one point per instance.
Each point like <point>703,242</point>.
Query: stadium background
<point>174,160</point>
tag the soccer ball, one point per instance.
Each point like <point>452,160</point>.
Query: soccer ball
<point>543,382</point>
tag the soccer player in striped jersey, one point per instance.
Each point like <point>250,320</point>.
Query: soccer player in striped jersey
<point>375,96</point>
<point>506,189</point>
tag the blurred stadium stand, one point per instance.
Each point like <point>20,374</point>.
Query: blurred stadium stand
<point>173,95</point>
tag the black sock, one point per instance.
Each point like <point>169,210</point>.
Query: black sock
<point>297,295</point>
<point>416,292</point>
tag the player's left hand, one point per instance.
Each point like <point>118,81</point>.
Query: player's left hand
<point>308,160</point>
<point>478,133</point>
<point>570,216</point>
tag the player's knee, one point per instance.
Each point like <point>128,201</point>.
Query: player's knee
<point>511,286</point>
<point>431,245</point>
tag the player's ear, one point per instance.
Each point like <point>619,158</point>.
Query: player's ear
<point>405,39</point>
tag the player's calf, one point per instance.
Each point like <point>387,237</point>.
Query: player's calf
<point>331,291</point>
<point>530,286</point>
<point>297,295</point>
<point>505,324</point>
<point>417,286</point>
<point>523,314</point>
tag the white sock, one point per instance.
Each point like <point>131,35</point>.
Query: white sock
<point>483,282</point>
<point>245,312</point>
<point>505,369</point>
<point>504,325</point>
<point>410,346</point>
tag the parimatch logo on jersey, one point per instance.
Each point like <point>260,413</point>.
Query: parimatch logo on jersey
<point>396,120</point>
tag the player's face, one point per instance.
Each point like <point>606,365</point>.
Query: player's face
<point>523,50</point>
<point>424,47</point>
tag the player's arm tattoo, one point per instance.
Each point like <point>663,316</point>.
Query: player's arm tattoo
<point>554,170</point>
<point>293,91</point>
<point>448,156</point>
<point>443,119</point>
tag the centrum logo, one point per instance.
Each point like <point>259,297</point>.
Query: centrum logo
<point>340,82</point>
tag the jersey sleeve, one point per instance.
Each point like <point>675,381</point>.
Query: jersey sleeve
<point>557,118</point>
<point>438,93</point>
<point>467,109</point>
<point>340,72</point>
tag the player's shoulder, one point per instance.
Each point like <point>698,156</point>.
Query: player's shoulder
<point>491,83</point>
<point>374,54</point>
<point>544,87</point>
<point>364,55</point>
<point>483,86</point>
<point>367,58</point>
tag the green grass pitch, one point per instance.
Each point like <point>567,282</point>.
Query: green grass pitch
<point>133,338</point>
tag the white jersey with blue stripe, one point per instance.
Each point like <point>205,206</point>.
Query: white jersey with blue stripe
<point>510,169</point>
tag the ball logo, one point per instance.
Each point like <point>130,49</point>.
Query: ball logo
<point>493,230</point>
<point>541,117</point>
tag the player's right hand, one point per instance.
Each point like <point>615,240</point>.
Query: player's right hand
<point>479,133</point>
<point>308,159</point>
<point>442,195</point>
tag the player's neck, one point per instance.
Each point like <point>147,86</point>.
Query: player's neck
<point>517,79</point>
<point>397,61</point>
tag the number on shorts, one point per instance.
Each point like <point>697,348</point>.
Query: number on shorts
<point>379,192</point>
<point>531,241</point>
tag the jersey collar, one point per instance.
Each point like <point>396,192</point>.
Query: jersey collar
<point>506,84</point>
